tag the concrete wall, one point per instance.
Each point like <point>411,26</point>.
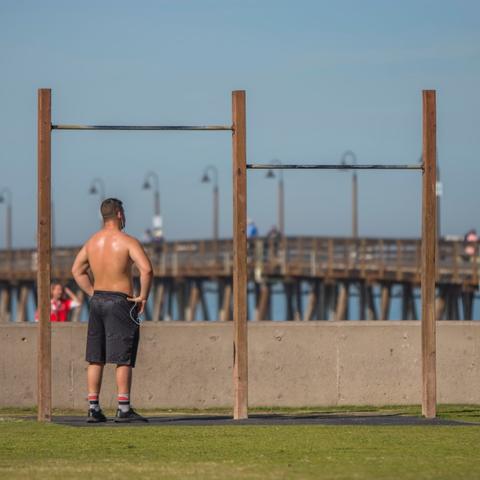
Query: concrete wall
<point>291,364</point>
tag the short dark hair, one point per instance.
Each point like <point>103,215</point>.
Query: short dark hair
<point>110,207</point>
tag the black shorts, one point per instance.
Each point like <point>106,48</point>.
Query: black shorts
<point>112,334</point>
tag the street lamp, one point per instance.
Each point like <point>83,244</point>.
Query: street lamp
<point>281,196</point>
<point>6,197</point>
<point>157,218</point>
<point>343,161</point>
<point>206,179</point>
<point>147,185</point>
<point>97,187</point>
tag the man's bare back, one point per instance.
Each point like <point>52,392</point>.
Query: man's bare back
<point>110,255</point>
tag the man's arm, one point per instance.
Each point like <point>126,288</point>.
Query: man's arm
<point>79,272</point>
<point>139,257</point>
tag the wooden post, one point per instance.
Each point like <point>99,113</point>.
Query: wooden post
<point>181,295</point>
<point>170,298</point>
<point>225,313</point>
<point>288,289</point>
<point>192,302</point>
<point>405,303</point>
<point>467,301</point>
<point>362,300</point>
<point>22,299</point>
<point>240,349</point>
<point>203,301</point>
<point>429,233</point>
<point>312,301</point>
<point>371,307</point>
<point>44,239</point>
<point>75,316</point>
<point>342,302</point>
<point>264,302</point>
<point>5,303</point>
<point>385,302</point>
<point>158,301</point>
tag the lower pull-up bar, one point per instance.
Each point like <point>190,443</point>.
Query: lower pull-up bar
<point>428,256</point>
<point>142,127</point>
<point>273,166</point>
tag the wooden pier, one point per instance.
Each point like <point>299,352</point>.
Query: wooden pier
<point>315,275</point>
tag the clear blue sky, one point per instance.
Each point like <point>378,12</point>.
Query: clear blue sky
<point>321,77</point>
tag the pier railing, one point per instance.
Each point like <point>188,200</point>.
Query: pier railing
<point>326,257</point>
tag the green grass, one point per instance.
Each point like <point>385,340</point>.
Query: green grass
<point>29,450</point>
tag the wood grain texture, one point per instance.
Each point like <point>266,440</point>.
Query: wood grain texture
<point>240,346</point>
<point>429,243</point>
<point>44,240</point>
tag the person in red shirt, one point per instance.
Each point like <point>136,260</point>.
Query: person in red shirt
<point>62,300</point>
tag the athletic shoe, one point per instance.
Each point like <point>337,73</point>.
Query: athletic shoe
<point>130,416</point>
<point>95,416</point>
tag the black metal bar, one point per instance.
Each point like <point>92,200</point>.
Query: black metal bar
<point>140,127</point>
<point>276,166</point>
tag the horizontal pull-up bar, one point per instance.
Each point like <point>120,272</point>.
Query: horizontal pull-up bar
<point>140,127</point>
<point>44,217</point>
<point>274,166</point>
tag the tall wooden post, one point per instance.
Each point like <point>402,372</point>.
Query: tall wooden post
<point>44,361</point>
<point>240,347</point>
<point>429,244</point>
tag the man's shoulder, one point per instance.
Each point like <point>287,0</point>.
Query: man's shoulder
<point>129,239</point>
<point>93,237</point>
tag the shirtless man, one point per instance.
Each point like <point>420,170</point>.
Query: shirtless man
<point>113,329</point>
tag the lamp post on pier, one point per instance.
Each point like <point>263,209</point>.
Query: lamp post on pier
<point>207,179</point>
<point>343,161</point>
<point>152,182</point>
<point>281,197</point>
<point>97,187</point>
<point>147,185</point>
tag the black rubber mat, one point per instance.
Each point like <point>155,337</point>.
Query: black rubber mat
<point>269,419</point>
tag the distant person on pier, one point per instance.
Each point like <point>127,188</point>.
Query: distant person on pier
<point>147,236</point>
<point>62,301</point>
<point>252,230</point>
<point>273,239</point>
<point>471,244</point>
<point>252,233</point>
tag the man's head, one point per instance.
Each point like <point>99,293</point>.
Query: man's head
<point>56,291</point>
<point>112,211</point>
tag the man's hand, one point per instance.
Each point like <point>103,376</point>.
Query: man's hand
<point>141,301</point>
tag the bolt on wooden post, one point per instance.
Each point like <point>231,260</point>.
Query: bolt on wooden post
<point>429,245</point>
<point>44,232</point>
<point>240,347</point>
